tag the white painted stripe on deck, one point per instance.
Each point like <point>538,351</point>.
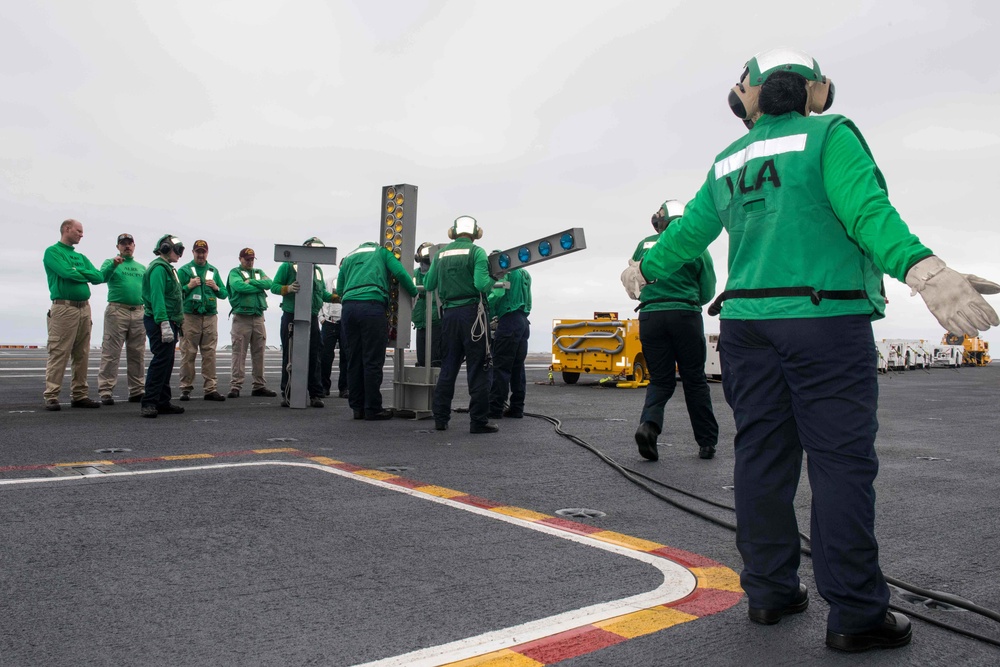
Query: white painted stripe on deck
<point>678,581</point>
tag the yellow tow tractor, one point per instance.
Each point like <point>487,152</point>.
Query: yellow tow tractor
<point>977,350</point>
<point>604,344</point>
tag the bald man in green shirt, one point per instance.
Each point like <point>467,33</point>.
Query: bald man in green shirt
<point>69,275</point>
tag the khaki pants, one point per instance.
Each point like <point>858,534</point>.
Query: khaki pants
<point>201,332</point>
<point>248,332</point>
<point>69,338</point>
<point>122,326</point>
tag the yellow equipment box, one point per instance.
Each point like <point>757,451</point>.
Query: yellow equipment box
<point>604,344</point>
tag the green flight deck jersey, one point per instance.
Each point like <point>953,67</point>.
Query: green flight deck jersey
<point>247,290</point>
<point>460,273</point>
<point>419,316</point>
<point>201,300</point>
<point>161,292</point>
<point>688,288</point>
<point>806,210</point>
<point>286,276</point>
<point>364,274</point>
<point>516,297</point>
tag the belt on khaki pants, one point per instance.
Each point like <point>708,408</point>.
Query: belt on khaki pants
<point>75,304</point>
<point>124,305</point>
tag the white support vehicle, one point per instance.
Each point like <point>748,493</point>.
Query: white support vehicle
<point>713,366</point>
<point>882,350</point>
<point>947,356</point>
<point>895,354</point>
<point>919,354</point>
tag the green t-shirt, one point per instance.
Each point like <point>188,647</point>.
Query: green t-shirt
<point>124,281</point>
<point>68,273</point>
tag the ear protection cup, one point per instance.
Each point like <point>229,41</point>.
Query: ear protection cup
<point>451,233</point>
<point>820,95</point>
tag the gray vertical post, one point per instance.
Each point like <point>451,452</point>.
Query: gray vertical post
<point>305,258</point>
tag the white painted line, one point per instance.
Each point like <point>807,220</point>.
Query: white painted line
<point>678,581</point>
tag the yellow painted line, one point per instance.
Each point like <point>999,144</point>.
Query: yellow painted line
<point>645,622</point>
<point>717,577</point>
<point>85,463</point>
<point>504,658</point>
<point>376,474</point>
<point>440,491</point>
<point>325,460</point>
<point>274,451</point>
<point>626,541</point>
<point>185,457</point>
<point>521,513</point>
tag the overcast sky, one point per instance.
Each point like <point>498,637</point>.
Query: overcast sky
<point>255,122</point>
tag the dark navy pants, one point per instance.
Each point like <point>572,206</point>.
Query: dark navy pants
<point>806,385</point>
<point>330,334</point>
<point>157,390</point>
<point>510,347</point>
<point>457,344</point>
<point>676,339</point>
<point>365,329</point>
<point>435,345</point>
<point>313,383</point>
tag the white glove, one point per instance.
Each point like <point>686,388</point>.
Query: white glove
<point>953,298</point>
<point>166,333</point>
<point>632,280</point>
<point>294,287</point>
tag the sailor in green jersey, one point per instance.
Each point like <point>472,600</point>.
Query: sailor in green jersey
<point>287,286</point>
<point>511,307</point>
<point>123,324</point>
<point>811,232</point>
<point>162,300</point>
<point>672,335</point>
<point>423,260</point>
<point>461,275</point>
<point>69,323</point>
<point>247,288</point>
<point>202,289</point>
<point>363,286</point>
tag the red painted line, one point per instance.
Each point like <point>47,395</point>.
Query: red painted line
<point>569,644</point>
<point>706,601</point>
<point>685,558</point>
<point>573,526</point>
